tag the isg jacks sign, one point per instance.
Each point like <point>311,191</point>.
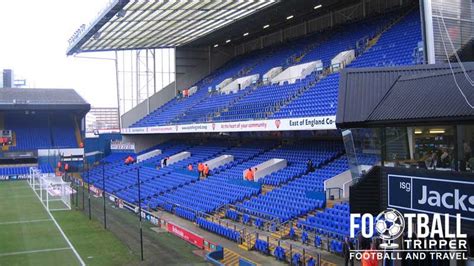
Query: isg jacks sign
<point>431,195</point>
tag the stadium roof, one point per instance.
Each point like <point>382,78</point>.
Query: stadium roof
<point>141,24</point>
<point>42,99</point>
<point>405,95</point>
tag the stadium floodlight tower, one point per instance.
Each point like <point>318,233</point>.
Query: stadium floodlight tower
<point>52,190</point>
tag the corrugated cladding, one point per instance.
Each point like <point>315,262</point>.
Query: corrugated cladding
<point>19,98</point>
<point>381,96</point>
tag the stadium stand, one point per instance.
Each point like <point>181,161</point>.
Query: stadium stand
<point>386,40</point>
<point>62,132</point>
<point>291,200</point>
<point>42,118</point>
<point>41,131</point>
<point>23,170</point>
<point>30,131</point>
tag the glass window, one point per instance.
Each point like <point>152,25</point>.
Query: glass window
<point>430,147</point>
<point>466,147</point>
<point>363,146</point>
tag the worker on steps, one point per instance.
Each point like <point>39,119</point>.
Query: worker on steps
<point>206,171</point>
<point>249,175</point>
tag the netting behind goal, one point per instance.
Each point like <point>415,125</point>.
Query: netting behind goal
<point>55,194</point>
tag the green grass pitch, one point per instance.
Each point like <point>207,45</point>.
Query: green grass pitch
<point>30,237</point>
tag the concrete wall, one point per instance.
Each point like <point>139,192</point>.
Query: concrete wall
<point>156,100</point>
<point>266,168</point>
<point>178,157</point>
<point>145,141</point>
<point>221,160</point>
<point>339,181</point>
<point>192,64</point>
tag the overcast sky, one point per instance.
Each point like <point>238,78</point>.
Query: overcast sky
<point>33,43</point>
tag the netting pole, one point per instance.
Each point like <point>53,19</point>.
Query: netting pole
<point>41,190</point>
<point>71,196</point>
<point>82,178</point>
<point>47,199</point>
<point>103,194</point>
<point>140,212</point>
<point>89,192</point>
<point>77,191</point>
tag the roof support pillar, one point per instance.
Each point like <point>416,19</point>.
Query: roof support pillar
<point>364,10</point>
<point>427,28</point>
<point>117,84</point>
<point>147,84</point>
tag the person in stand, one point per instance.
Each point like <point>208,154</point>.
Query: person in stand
<point>445,160</point>
<point>129,160</point>
<point>206,170</point>
<point>190,167</point>
<point>309,166</point>
<point>346,250</point>
<point>434,160</point>
<point>200,169</point>
<point>164,162</point>
<point>249,175</point>
<point>66,170</point>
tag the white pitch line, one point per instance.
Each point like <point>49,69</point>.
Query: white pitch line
<point>25,222</point>
<point>33,251</point>
<point>62,233</point>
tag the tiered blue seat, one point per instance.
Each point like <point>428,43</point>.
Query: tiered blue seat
<point>40,131</point>
<point>219,229</point>
<point>24,170</point>
<point>115,157</point>
<point>291,200</point>
<point>262,246</point>
<point>333,222</point>
<point>263,100</point>
<point>395,47</point>
<point>222,187</point>
<point>32,131</point>
<point>62,131</point>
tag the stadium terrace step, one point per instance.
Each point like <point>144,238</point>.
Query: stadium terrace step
<point>230,258</point>
<point>267,188</point>
<point>248,242</point>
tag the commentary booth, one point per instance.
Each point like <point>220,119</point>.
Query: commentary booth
<point>418,122</point>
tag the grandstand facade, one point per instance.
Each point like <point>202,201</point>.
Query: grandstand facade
<point>323,106</point>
